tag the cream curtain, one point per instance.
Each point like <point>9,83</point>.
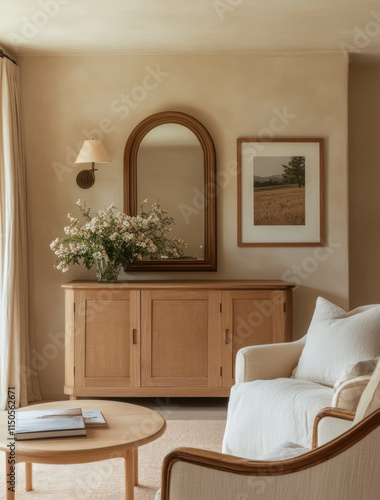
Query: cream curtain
<point>15,332</point>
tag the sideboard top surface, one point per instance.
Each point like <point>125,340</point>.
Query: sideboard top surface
<point>187,284</point>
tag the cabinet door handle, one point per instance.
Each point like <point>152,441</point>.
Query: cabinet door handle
<point>227,332</point>
<point>134,336</point>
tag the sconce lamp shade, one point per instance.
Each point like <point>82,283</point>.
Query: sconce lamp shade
<point>93,151</point>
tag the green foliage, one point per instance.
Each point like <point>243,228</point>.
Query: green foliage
<point>294,172</point>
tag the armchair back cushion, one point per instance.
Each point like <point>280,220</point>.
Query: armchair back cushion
<point>336,339</point>
<point>370,399</point>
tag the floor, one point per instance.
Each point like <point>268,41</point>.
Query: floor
<point>185,408</point>
<point>105,480</point>
<point>181,408</point>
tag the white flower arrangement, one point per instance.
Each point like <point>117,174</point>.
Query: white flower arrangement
<point>117,239</point>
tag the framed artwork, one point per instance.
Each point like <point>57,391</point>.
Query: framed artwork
<point>280,192</point>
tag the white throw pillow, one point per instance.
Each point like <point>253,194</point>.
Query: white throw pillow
<point>284,451</point>
<point>370,400</point>
<point>351,384</point>
<point>336,339</point>
<point>347,395</point>
<point>355,370</point>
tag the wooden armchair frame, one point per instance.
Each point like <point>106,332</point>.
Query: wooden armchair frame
<point>329,412</point>
<point>236,465</point>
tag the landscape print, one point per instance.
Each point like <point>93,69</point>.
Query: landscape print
<point>279,191</point>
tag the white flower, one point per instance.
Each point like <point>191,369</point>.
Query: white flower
<point>127,237</point>
<point>54,243</point>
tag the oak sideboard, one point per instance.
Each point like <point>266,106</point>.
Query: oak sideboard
<point>167,338</point>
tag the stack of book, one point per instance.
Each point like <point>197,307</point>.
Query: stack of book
<point>44,424</point>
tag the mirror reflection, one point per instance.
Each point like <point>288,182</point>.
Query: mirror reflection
<point>170,169</point>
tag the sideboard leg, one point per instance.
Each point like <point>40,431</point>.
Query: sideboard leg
<point>28,476</point>
<point>10,475</point>
<point>74,398</point>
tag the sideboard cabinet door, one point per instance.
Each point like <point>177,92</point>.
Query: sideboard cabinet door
<point>107,338</point>
<point>180,339</point>
<point>252,318</point>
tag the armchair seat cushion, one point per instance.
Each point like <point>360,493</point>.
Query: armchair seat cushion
<point>265,413</point>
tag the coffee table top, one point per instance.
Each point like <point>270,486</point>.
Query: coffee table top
<point>129,426</point>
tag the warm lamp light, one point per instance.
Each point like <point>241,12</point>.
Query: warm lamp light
<point>93,152</point>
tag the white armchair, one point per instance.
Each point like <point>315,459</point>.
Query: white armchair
<point>346,467</point>
<point>269,405</point>
<point>266,406</point>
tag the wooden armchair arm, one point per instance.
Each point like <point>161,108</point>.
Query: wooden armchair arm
<point>329,412</point>
<point>241,466</point>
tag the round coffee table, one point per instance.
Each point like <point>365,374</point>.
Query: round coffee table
<point>129,426</point>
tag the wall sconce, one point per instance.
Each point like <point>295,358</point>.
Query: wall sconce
<point>93,152</point>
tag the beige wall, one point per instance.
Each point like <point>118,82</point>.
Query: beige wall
<point>364,182</point>
<point>233,96</point>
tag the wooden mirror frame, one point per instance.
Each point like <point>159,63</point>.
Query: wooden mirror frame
<point>130,189</point>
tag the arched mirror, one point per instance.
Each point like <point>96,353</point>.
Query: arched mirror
<point>170,158</point>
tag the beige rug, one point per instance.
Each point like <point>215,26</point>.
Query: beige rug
<point>105,480</point>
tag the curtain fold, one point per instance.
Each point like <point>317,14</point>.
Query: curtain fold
<point>16,329</point>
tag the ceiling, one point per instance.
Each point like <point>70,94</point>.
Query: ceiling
<point>178,26</point>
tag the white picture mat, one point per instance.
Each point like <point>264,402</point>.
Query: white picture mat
<point>310,232</point>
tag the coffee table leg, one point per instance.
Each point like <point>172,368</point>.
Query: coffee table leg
<point>9,495</point>
<point>136,466</point>
<point>28,476</point>
<point>129,474</point>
